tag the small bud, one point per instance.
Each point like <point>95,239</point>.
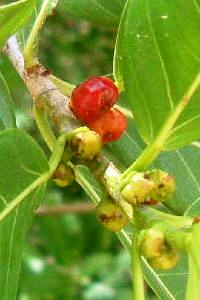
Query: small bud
<point>63,175</point>
<point>153,243</point>
<point>167,260</point>
<point>164,185</point>
<point>85,145</point>
<point>137,190</point>
<point>111,215</point>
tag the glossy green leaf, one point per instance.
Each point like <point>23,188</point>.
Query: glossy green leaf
<point>7,117</point>
<point>103,12</point>
<point>184,165</point>
<point>157,57</point>
<point>21,163</point>
<point>13,16</point>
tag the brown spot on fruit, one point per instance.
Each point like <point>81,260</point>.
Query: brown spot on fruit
<point>111,215</point>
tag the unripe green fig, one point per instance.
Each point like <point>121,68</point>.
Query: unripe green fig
<point>153,243</point>
<point>164,185</point>
<point>137,190</point>
<point>167,260</point>
<point>111,215</point>
<point>63,175</point>
<point>85,145</point>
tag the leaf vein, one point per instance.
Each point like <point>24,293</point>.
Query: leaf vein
<point>185,123</point>
<point>197,6</point>
<point>162,63</point>
<point>189,170</point>
<point>173,274</point>
<point>10,250</point>
<point>132,140</point>
<point>3,200</point>
<point>103,8</point>
<point>193,204</point>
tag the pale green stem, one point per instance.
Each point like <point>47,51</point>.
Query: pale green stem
<point>53,163</point>
<point>44,127</point>
<point>137,274</point>
<point>193,284</point>
<point>195,246</point>
<point>196,144</point>
<point>125,111</point>
<point>196,258</point>
<point>38,182</point>
<point>176,221</point>
<point>154,149</point>
<point>29,51</point>
<point>64,87</point>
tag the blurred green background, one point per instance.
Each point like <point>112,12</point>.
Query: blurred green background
<point>69,256</point>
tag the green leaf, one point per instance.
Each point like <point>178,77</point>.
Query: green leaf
<point>102,12</point>
<point>7,117</point>
<point>21,163</point>
<point>184,165</point>
<point>157,57</point>
<point>14,16</point>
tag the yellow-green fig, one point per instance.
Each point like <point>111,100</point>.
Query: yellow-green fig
<point>164,185</point>
<point>153,243</point>
<point>111,215</point>
<point>167,260</point>
<point>137,190</point>
<point>63,175</point>
<point>85,145</point>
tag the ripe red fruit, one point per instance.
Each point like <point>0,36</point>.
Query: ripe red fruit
<point>93,97</point>
<point>110,126</point>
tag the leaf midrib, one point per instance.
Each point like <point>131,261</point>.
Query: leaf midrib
<point>154,149</point>
<point>167,129</point>
<point>162,63</point>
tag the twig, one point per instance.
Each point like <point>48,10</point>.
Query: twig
<point>43,91</point>
<point>13,52</point>
<point>72,208</point>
